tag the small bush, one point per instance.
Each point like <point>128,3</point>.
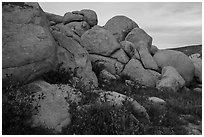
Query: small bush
<point>103,121</point>
<point>59,76</point>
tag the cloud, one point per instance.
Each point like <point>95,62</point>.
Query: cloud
<point>170,24</point>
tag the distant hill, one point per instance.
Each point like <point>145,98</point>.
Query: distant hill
<point>189,50</point>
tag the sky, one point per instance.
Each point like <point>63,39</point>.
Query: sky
<point>170,24</point>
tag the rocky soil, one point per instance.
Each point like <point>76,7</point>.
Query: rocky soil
<point>67,75</point>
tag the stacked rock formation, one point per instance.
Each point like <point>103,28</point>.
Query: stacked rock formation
<point>42,41</point>
<point>35,42</point>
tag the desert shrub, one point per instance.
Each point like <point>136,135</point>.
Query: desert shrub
<point>102,121</point>
<point>97,68</point>
<point>59,76</point>
<point>16,110</point>
<point>169,121</point>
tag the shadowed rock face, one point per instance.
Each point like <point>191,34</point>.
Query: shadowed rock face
<point>28,47</point>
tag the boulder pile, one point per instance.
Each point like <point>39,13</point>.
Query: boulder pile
<point>35,42</point>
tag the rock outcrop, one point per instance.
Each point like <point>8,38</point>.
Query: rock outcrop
<point>122,55</point>
<point>78,42</point>
<point>29,49</point>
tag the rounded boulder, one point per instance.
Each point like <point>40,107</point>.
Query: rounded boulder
<point>120,26</point>
<point>178,60</point>
<point>99,41</point>
<point>137,36</point>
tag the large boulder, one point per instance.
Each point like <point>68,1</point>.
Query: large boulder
<point>197,62</point>
<point>89,16</point>
<point>51,109</point>
<point>171,79</point>
<point>28,48</point>
<point>178,60</point>
<point>138,35</point>
<point>110,64</point>
<point>120,26</point>
<point>100,41</point>
<point>146,58</point>
<point>78,56</point>
<point>135,70</point>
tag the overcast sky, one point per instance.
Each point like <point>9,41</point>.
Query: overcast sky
<point>170,24</point>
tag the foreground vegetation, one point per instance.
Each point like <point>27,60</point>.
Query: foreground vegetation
<point>181,108</point>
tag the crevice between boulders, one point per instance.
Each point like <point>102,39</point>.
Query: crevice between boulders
<point>144,65</point>
<point>114,51</point>
<point>106,56</point>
